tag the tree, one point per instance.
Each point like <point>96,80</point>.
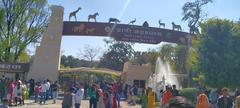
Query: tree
<point>23,23</point>
<point>90,52</point>
<point>153,55</point>
<point>219,53</point>
<point>140,58</point>
<point>24,57</point>
<point>166,52</point>
<point>175,55</point>
<point>73,62</point>
<point>193,14</point>
<point>192,62</point>
<point>179,58</point>
<point>69,61</point>
<point>117,54</point>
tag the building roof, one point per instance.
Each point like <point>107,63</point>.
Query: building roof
<point>87,69</point>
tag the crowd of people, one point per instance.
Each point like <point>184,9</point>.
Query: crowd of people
<point>109,95</point>
<point>104,94</point>
<point>100,95</point>
<point>13,93</point>
<point>215,98</point>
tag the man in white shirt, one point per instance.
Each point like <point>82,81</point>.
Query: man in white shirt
<point>48,89</point>
<point>78,96</point>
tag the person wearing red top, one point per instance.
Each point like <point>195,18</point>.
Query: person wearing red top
<point>167,95</point>
<point>115,87</point>
<point>37,91</point>
<point>10,92</point>
<point>115,101</point>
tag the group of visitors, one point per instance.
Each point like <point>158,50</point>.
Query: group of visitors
<point>132,94</point>
<point>44,90</point>
<point>73,97</point>
<point>218,99</point>
<point>148,98</point>
<point>15,92</point>
<point>108,95</point>
<point>101,95</point>
<point>104,94</point>
<point>170,98</point>
<point>206,99</point>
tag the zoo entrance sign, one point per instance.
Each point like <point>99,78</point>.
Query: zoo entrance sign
<point>14,67</point>
<point>124,32</point>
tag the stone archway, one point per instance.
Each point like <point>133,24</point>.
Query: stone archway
<point>46,62</point>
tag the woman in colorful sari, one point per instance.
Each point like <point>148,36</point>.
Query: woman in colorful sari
<point>151,98</point>
<point>115,101</point>
<point>167,96</point>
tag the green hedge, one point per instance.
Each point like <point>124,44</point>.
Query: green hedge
<point>190,93</point>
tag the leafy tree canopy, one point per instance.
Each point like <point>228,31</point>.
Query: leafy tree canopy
<point>22,22</point>
<point>219,53</point>
<point>117,54</point>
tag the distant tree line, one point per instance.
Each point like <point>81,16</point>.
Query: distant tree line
<point>74,62</point>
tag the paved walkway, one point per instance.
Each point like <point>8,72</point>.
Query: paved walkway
<point>31,104</point>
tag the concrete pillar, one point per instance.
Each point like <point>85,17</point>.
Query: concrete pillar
<point>46,61</point>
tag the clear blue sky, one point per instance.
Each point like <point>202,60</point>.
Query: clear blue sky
<point>142,10</point>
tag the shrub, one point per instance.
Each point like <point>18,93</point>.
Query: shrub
<point>190,93</point>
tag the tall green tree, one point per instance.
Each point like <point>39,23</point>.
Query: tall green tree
<point>23,23</point>
<point>219,53</point>
<point>188,56</point>
<point>117,54</point>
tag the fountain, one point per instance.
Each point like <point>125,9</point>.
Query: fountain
<point>163,76</point>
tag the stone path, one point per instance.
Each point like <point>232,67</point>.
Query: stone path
<point>31,104</point>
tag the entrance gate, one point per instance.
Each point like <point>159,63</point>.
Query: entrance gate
<point>46,62</point>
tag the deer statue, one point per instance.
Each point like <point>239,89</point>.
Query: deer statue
<point>176,27</point>
<point>73,14</point>
<point>161,24</point>
<point>133,21</point>
<point>93,17</point>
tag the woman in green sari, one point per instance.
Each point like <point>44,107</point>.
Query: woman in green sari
<point>144,99</point>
